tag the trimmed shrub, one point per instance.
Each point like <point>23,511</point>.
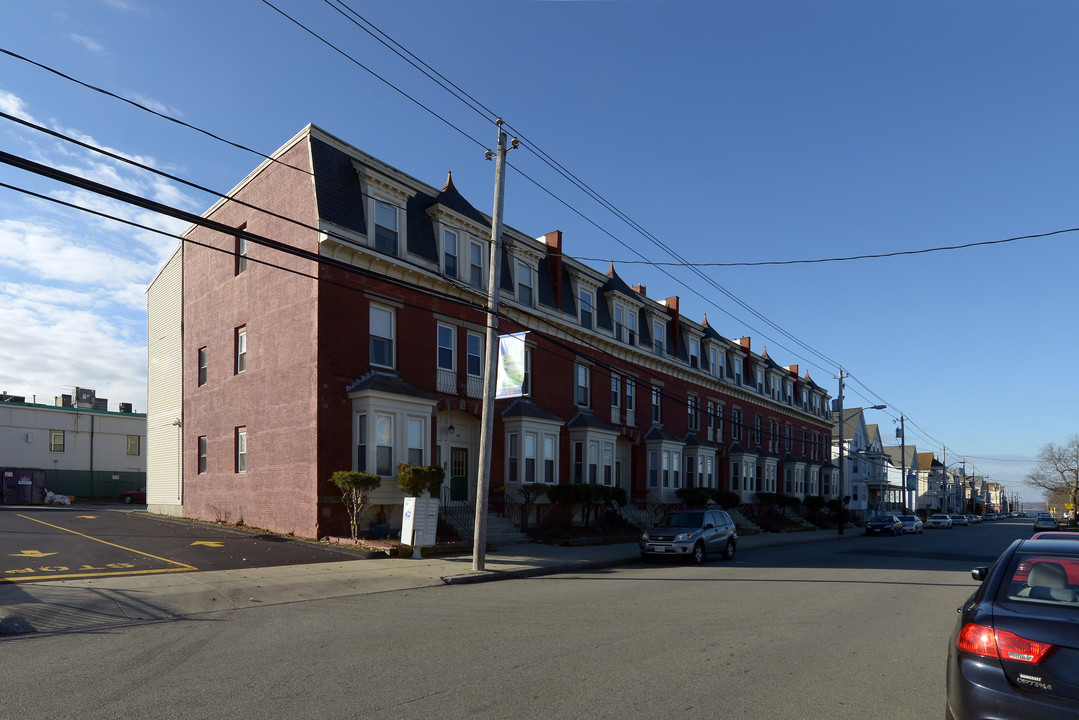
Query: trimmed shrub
<point>356,488</point>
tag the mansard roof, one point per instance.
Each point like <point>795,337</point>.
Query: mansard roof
<point>451,198</point>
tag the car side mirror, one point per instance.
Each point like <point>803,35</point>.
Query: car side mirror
<point>979,573</point>
<point>709,526</point>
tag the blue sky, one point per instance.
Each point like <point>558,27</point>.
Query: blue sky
<point>731,131</point>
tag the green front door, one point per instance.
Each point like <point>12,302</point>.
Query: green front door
<point>458,474</point>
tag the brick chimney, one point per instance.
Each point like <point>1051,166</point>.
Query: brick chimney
<point>553,241</point>
<point>640,290</point>
<point>744,342</point>
<point>672,311</point>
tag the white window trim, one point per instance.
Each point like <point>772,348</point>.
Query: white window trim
<point>542,430</point>
<point>393,334</point>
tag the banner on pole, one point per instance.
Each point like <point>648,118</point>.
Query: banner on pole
<point>511,365</point>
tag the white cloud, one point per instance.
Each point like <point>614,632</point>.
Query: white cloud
<point>53,342</point>
<point>49,252</point>
<point>13,105</point>
<point>158,107</point>
<point>89,43</point>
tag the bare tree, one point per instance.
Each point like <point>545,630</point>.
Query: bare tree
<point>1057,471</point>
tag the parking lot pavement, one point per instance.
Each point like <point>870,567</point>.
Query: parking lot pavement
<point>74,604</point>
<point>98,541</point>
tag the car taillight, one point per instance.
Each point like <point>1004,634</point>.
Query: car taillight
<point>982,640</point>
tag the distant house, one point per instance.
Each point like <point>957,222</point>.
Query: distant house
<point>903,490</point>
<point>867,464</point>
<point>76,446</point>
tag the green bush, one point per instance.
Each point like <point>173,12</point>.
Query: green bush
<point>694,497</point>
<point>726,499</point>
<point>415,480</point>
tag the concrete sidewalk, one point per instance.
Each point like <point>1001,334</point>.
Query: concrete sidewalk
<point>79,605</point>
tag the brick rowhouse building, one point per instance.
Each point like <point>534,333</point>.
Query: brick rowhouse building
<point>272,370</point>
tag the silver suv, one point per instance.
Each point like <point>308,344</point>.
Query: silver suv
<point>691,534</point>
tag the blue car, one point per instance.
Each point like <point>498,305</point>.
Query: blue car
<point>1015,647</point>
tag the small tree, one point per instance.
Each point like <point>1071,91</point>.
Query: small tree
<point>814,504</point>
<point>415,480</point>
<point>356,488</point>
<point>530,493</point>
<point>566,497</point>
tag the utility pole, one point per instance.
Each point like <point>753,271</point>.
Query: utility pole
<point>490,370</point>
<point>842,465</point>
<point>903,459</point>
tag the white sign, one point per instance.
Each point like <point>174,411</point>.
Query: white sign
<point>511,365</point>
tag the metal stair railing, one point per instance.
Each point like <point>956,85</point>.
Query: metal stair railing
<point>460,513</point>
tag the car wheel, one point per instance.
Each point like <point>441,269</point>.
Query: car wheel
<point>728,552</point>
<point>698,553</point>
<point>127,499</point>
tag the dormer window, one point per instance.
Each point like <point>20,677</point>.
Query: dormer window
<point>659,336</point>
<point>587,302</point>
<point>631,327</point>
<point>449,253</point>
<point>385,227</point>
<point>694,353</point>
<point>738,371</point>
<point>524,284</point>
<point>715,362</point>
<point>760,381</point>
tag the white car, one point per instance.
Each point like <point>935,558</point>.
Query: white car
<point>940,521</point>
<point>912,524</point>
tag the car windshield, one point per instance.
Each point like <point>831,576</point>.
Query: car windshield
<point>907,518</point>
<point>682,519</point>
<point>882,519</point>
<point>1039,577</point>
<point>939,517</point>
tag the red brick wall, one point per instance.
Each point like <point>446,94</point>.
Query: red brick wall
<point>275,397</point>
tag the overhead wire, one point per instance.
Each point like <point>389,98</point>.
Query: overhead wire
<point>532,146</point>
<point>573,353</point>
<point>569,176</point>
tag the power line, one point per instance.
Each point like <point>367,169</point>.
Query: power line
<point>572,353</point>
<point>369,70</point>
<point>576,181</point>
<point>596,196</point>
<point>896,253</point>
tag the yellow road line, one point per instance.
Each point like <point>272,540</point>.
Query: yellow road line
<point>43,578</point>
<point>182,566</point>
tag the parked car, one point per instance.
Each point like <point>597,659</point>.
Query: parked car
<point>912,523</point>
<point>133,496</point>
<point>1014,647</point>
<point>1046,522</point>
<point>1055,535</point>
<point>884,525</point>
<point>691,534</point>
<point>940,521</point>
<point>958,520</point>
<point>974,519</point>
